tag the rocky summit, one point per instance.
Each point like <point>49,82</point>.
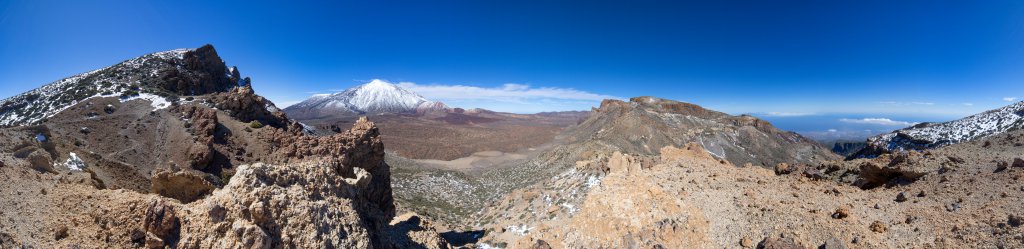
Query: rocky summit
<point>207,164</point>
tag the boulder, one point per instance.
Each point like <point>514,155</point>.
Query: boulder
<point>873,175</point>
<point>200,155</point>
<point>40,161</point>
<point>833,243</point>
<point>841,212</point>
<point>780,242</point>
<point>783,168</point>
<point>878,227</point>
<point>161,224</point>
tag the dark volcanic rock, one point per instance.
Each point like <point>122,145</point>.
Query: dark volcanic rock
<point>161,224</point>
<point>847,148</point>
<point>205,73</point>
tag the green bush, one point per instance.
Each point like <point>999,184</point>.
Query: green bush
<point>225,176</point>
<point>129,94</point>
<point>255,124</point>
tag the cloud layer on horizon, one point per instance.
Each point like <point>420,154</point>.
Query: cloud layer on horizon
<point>518,98</point>
<point>787,114</point>
<point>877,121</point>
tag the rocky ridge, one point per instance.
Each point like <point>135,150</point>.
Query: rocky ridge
<point>211,164</point>
<point>645,124</point>
<point>155,77</point>
<point>932,135</point>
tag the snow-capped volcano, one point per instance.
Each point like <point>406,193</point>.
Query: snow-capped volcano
<point>375,97</point>
<point>932,135</point>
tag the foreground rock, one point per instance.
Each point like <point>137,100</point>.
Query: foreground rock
<point>319,202</point>
<point>689,199</point>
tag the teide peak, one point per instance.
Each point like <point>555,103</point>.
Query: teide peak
<point>375,97</point>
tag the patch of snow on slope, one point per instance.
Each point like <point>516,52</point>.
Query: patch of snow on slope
<point>487,246</point>
<point>155,101</point>
<point>74,163</point>
<point>521,230</point>
<point>593,181</point>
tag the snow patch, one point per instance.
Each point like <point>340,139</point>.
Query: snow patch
<point>593,181</point>
<point>521,230</point>
<point>571,208</point>
<point>155,101</point>
<point>487,246</point>
<point>74,163</point>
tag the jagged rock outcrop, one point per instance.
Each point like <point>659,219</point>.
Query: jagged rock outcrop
<point>204,73</point>
<point>626,210</point>
<point>337,196</point>
<point>243,103</point>
<point>342,201</point>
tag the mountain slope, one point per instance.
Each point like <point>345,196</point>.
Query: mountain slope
<point>646,124</point>
<point>154,77</point>
<point>375,97</point>
<point>119,146</point>
<point>690,198</point>
<point>933,135</point>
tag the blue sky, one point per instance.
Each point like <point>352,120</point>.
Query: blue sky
<point>927,60</point>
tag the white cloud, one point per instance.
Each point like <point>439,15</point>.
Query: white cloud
<point>788,114</point>
<point>877,121</point>
<point>1009,99</point>
<point>832,130</point>
<point>509,97</point>
<point>968,104</point>
<point>507,92</point>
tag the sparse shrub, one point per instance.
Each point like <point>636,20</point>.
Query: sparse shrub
<point>225,176</point>
<point>255,124</point>
<point>129,94</point>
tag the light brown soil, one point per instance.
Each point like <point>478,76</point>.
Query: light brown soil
<point>723,205</point>
<point>443,138</point>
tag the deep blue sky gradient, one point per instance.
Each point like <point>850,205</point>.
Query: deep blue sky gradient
<point>867,57</point>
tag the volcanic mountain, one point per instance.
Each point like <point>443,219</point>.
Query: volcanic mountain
<point>932,135</point>
<point>645,124</point>
<point>375,97</point>
<point>415,127</point>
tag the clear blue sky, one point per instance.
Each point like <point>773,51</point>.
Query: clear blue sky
<point>926,58</point>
